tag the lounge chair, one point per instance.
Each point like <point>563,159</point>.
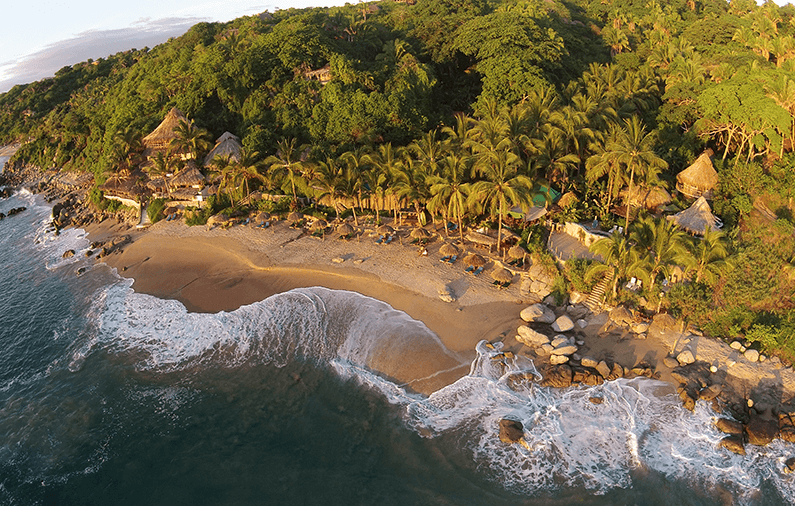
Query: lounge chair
<point>478,271</point>
<point>444,259</point>
<point>380,240</point>
<point>452,259</point>
<point>248,220</point>
<point>470,268</point>
<point>388,239</point>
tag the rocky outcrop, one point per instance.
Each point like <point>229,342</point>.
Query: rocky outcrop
<point>729,426</point>
<point>538,313</point>
<point>621,316</point>
<point>786,426</point>
<point>511,431</point>
<point>761,431</point>
<point>734,443</point>
<point>530,337</point>
<point>563,324</point>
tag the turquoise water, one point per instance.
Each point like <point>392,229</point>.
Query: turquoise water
<point>113,397</point>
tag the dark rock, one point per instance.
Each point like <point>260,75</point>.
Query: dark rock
<point>790,463</point>
<point>729,426</point>
<point>511,431</point>
<point>621,316</point>
<point>733,443</point>
<point>89,253</point>
<point>596,400</point>
<point>68,253</point>
<point>81,270</point>
<point>96,245</point>
<point>671,362</point>
<point>517,381</point>
<point>786,427</point>
<point>710,393</point>
<point>558,376</point>
<point>688,397</point>
<point>761,431</point>
<point>616,373</point>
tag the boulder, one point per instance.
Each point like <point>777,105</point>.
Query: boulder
<point>640,328</point>
<point>751,355</point>
<point>582,323</point>
<point>789,465</point>
<point>665,322</point>
<point>217,219</point>
<point>589,362</point>
<point>786,426</point>
<point>557,376</point>
<point>68,253</point>
<point>709,393</point>
<point>670,362</point>
<point>736,345</point>
<point>563,324</point>
<point>539,313</point>
<point>559,339</point>
<point>616,372</point>
<point>733,443</point>
<point>728,426</point>
<point>568,349</point>
<point>761,431</point>
<point>576,297</point>
<point>511,431</point>
<point>596,400</point>
<point>688,398</point>
<point>621,316</point>
<point>686,357</point>
<point>586,376</point>
<point>558,359</point>
<point>603,369</point>
<point>530,337</point>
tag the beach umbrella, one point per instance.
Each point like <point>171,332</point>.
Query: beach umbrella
<point>507,234</point>
<point>516,252</point>
<point>319,225</point>
<point>262,217</point>
<point>448,250</point>
<point>345,229</point>
<point>474,260</point>
<point>420,233</point>
<point>502,275</point>
<point>295,217</point>
<point>384,230</point>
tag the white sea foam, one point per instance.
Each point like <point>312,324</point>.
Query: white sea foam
<point>572,442</point>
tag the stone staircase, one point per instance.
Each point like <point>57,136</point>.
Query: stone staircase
<point>594,300</point>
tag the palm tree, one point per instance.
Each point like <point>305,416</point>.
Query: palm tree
<point>286,164</point>
<point>707,256</point>
<point>411,183</point>
<point>190,140</point>
<point>552,158</point>
<point>357,164</point>
<point>660,247</point>
<point>162,165</point>
<point>450,190</point>
<point>386,160</point>
<point>428,151</point>
<point>248,169</point>
<point>502,189</point>
<point>127,149</point>
<point>632,151</point>
<point>329,174</point>
<point>619,259</point>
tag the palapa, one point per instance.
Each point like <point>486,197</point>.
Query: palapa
<point>263,217</point>
<point>228,145</point>
<point>420,233</point>
<point>162,136</point>
<point>650,198</point>
<point>474,260</point>
<point>516,252</point>
<point>482,239</point>
<point>123,186</point>
<point>700,179</point>
<point>448,250</point>
<point>696,218</point>
<point>385,230</point>
<point>157,184</point>
<point>502,275</point>
<point>188,177</point>
<point>319,225</point>
<point>295,217</point>
<point>346,229</point>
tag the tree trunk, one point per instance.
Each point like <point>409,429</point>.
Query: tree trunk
<point>629,199</point>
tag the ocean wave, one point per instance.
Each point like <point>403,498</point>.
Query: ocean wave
<point>571,441</point>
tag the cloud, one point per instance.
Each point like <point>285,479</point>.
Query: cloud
<point>92,44</point>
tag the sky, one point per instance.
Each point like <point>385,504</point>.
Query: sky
<point>38,37</point>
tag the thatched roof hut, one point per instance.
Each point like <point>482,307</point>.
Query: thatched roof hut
<point>502,275</point>
<point>123,186</point>
<point>157,184</point>
<point>448,249</point>
<point>482,239</point>
<point>700,179</point>
<point>162,136</point>
<point>474,260</point>
<point>516,252</point>
<point>188,177</point>
<point>650,198</point>
<point>420,233</point>
<point>226,145</point>
<point>696,218</point>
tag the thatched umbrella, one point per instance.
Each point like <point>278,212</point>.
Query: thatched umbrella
<point>502,275</point>
<point>700,179</point>
<point>516,252</point>
<point>420,233</point>
<point>448,250</point>
<point>696,218</point>
<point>319,225</point>
<point>263,217</point>
<point>507,234</point>
<point>384,230</point>
<point>346,229</point>
<point>295,217</point>
<point>474,260</point>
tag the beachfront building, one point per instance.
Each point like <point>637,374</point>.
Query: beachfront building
<point>161,137</point>
<point>322,75</point>
<point>228,145</point>
<point>125,189</point>
<point>696,218</point>
<point>700,179</point>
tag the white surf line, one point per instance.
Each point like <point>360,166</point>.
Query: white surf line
<point>437,373</point>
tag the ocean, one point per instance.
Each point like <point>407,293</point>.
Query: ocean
<point>108,396</point>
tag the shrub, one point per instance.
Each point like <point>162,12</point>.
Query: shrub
<point>575,273</point>
<point>155,210</point>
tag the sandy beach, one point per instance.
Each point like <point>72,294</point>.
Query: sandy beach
<point>217,269</point>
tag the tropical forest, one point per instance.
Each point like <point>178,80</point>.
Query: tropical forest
<point>472,113</point>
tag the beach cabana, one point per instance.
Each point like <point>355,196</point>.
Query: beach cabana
<point>696,218</point>
<point>228,145</point>
<point>319,225</point>
<point>568,199</point>
<point>295,217</point>
<point>161,137</point>
<point>125,189</point>
<point>346,230</point>
<point>700,179</point>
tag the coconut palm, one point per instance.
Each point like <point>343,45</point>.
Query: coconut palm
<point>450,190</point>
<point>502,189</point>
<point>660,246</point>
<point>411,183</point>
<point>357,164</point>
<point>248,169</point>
<point>707,256</point>
<point>427,152</point>
<point>127,149</point>
<point>386,160</point>
<point>190,140</point>
<point>286,164</point>
<point>329,174</point>
<point>619,259</point>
